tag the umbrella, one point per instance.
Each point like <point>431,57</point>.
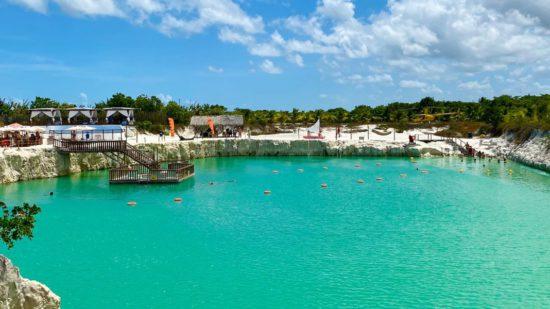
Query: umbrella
<point>13,127</point>
<point>81,128</point>
<point>33,129</point>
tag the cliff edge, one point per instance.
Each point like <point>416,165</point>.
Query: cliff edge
<point>20,293</point>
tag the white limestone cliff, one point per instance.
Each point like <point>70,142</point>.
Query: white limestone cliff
<point>17,292</point>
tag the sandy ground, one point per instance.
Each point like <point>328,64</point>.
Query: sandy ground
<point>491,146</point>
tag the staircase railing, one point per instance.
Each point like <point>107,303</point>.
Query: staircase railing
<point>140,156</point>
<point>106,146</point>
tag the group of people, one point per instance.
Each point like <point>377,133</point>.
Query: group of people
<point>228,132</point>
<point>20,139</point>
<point>471,152</point>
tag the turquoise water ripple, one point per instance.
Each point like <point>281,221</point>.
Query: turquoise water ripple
<point>442,239</point>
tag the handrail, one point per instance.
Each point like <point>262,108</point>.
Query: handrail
<point>148,170</point>
<point>105,146</point>
<point>176,171</point>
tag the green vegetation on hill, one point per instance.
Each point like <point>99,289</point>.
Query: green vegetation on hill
<point>503,113</point>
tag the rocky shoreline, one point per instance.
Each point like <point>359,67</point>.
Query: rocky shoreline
<point>17,164</point>
<point>534,152</point>
<point>18,292</point>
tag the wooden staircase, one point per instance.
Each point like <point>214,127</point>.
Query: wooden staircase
<point>457,142</point>
<point>121,147</point>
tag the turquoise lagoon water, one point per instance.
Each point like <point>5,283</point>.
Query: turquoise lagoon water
<point>443,239</point>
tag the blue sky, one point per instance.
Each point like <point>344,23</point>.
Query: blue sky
<point>274,54</point>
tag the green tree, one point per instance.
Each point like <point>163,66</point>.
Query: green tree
<point>176,111</point>
<point>148,104</point>
<point>118,100</point>
<point>40,102</point>
<point>361,114</point>
<point>17,223</point>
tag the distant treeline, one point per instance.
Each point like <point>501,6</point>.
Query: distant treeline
<point>493,115</point>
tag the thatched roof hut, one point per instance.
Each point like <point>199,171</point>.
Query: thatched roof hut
<point>222,120</point>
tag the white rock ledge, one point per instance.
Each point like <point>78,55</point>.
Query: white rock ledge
<point>45,162</point>
<point>20,293</point>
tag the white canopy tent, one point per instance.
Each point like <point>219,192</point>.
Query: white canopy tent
<point>89,113</point>
<point>126,112</point>
<point>52,113</point>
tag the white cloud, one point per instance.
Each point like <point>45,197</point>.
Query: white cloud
<point>264,50</point>
<point>90,7</point>
<point>209,13</point>
<point>269,67</point>
<point>475,85</point>
<point>424,87</point>
<point>146,6</point>
<point>380,78</point>
<point>165,98</point>
<point>471,35</point>
<point>40,6</point>
<point>76,7</point>
<point>84,98</point>
<point>466,32</point>
<point>296,59</point>
<point>437,41</point>
<point>231,36</point>
<point>215,69</point>
<point>176,16</point>
<point>412,84</point>
<point>544,88</point>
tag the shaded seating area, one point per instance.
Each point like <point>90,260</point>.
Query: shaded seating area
<point>16,135</point>
<point>217,126</point>
<point>52,114</point>
<point>119,115</point>
<point>88,114</point>
<point>87,133</point>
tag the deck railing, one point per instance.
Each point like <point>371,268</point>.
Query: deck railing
<point>68,145</point>
<point>170,172</point>
<point>24,142</point>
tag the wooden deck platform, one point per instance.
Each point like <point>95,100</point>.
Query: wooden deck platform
<point>146,170</point>
<point>168,172</point>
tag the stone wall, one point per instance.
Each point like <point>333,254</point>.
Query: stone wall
<point>45,162</point>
